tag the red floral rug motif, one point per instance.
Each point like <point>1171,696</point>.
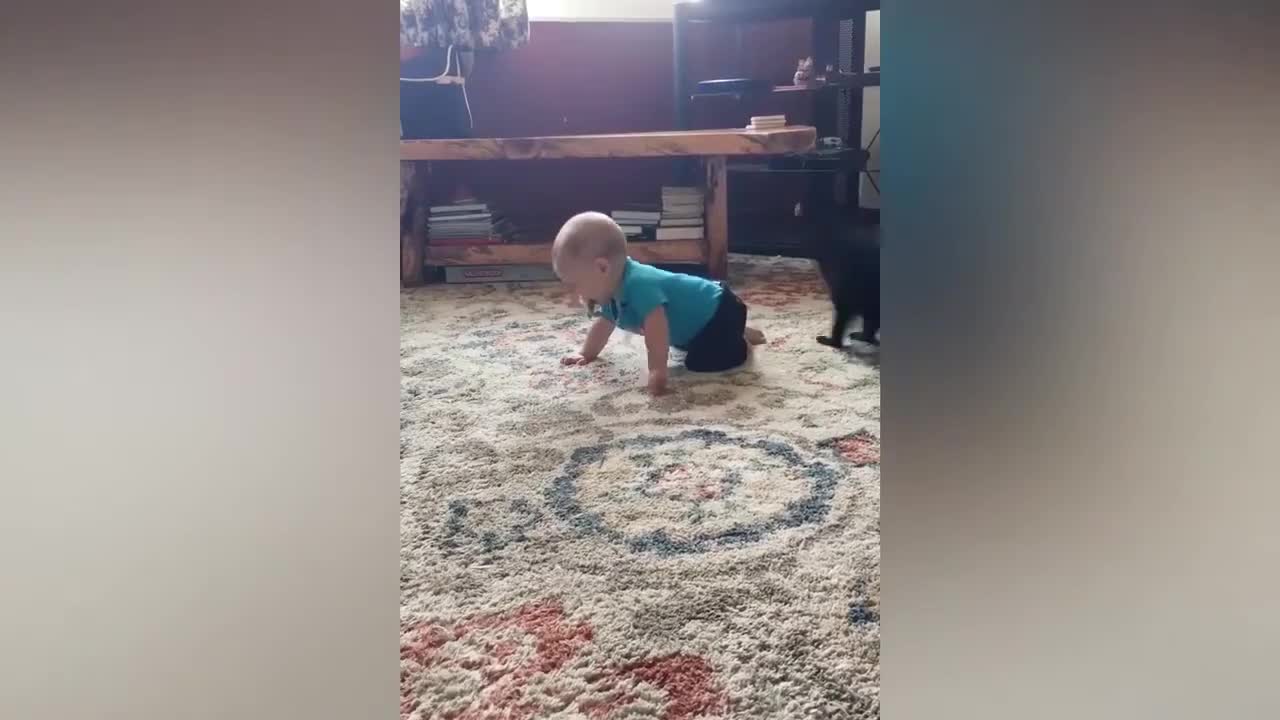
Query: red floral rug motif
<point>860,449</point>
<point>688,681</point>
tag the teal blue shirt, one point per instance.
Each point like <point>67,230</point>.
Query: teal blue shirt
<point>690,301</point>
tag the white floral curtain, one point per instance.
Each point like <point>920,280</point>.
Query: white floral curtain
<point>470,24</point>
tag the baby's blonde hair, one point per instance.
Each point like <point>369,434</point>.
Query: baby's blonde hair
<point>588,236</point>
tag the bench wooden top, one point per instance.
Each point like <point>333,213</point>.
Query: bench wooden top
<point>672,143</point>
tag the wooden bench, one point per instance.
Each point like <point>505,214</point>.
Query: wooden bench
<point>712,146</point>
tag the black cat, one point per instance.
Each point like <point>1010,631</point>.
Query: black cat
<point>849,258</point>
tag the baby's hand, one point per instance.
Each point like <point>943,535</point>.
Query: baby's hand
<point>575,360</point>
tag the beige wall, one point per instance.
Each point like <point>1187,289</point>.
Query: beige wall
<point>614,10</point>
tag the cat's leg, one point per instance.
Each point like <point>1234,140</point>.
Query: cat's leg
<point>870,324</point>
<point>843,314</point>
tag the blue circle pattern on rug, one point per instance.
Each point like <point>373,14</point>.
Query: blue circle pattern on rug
<point>862,614</point>
<point>491,535</point>
<point>811,508</point>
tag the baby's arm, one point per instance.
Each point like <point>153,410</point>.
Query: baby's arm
<point>597,338</point>
<point>657,342</point>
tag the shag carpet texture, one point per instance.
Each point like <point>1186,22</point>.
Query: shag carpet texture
<point>572,548</point>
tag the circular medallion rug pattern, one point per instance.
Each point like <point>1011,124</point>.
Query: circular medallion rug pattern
<point>571,548</point>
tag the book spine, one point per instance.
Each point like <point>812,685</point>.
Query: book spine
<point>679,233</point>
<point>498,273</point>
<point>464,242</point>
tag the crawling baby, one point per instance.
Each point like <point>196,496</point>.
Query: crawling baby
<point>699,316</point>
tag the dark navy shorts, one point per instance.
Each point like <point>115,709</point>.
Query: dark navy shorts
<point>719,346</point>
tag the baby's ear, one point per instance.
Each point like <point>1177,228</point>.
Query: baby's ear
<point>602,264</point>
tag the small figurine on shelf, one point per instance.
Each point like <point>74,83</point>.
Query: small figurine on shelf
<point>804,71</point>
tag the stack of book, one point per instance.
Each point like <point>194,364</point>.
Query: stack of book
<point>462,224</point>
<point>638,222</point>
<point>767,122</point>
<point>681,214</point>
<point>505,231</point>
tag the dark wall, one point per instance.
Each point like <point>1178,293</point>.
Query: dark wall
<point>612,77</point>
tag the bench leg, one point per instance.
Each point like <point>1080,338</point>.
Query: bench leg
<point>413,229</point>
<point>716,222</point>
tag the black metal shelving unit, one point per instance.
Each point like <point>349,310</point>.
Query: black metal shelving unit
<point>838,105</point>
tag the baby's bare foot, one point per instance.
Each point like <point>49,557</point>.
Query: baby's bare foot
<point>753,336</point>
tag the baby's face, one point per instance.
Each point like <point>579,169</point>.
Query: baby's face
<point>589,279</point>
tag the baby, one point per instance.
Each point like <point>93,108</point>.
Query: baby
<point>701,317</point>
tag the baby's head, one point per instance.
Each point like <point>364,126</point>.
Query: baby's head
<point>589,254</point>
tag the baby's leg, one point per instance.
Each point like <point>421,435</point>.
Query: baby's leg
<point>710,357</point>
<point>724,343</point>
<point>753,336</point>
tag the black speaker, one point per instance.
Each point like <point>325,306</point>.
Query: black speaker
<point>434,106</point>
<point>430,110</point>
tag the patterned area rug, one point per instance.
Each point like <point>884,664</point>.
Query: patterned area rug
<point>572,548</point>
